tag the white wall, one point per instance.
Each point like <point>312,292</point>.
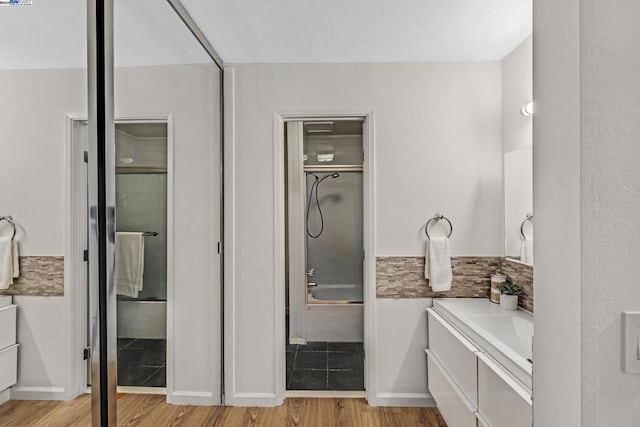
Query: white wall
<point>610,126</point>
<point>32,135</point>
<point>517,90</point>
<point>586,182</point>
<point>401,371</point>
<point>557,204</point>
<point>438,149</point>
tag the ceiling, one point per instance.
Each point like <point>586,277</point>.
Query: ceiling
<point>362,30</point>
<point>52,33</point>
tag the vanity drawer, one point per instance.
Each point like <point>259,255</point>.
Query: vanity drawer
<point>503,400</point>
<point>453,408</point>
<point>7,326</point>
<point>8,366</point>
<point>456,354</point>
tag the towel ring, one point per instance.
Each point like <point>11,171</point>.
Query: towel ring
<point>438,217</point>
<point>528,218</point>
<point>9,219</point>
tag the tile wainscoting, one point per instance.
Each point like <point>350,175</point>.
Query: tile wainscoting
<point>39,276</point>
<point>403,277</point>
<point>521,274</point>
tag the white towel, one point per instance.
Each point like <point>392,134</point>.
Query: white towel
<point>437,264</point>
<point>526,250</point>
<point>129,263</point>
<point>16,259</point>
<point>6,262</point>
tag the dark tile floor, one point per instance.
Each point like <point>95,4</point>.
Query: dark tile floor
<point>142,362</point>
<point>325,366</point>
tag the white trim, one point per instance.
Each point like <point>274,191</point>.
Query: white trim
<point>416,400</point>
<point>254,399</point>
<point>74,284</point>
<point>196,398</point>
<point>279,271</point>
<point>229,378</point>
<point>140,390</point>
<point>326,394</point>
<point>38,393</point>
<point>369,294</point>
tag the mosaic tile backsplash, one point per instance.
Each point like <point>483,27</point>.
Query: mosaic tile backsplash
<point>403,277</point>
<point>521,274</point>
<point>39,276</point>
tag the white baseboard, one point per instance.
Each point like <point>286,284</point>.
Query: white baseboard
<point>197,398</point>
<point>252,399</point>
<point>38,393</point>
<point>419,400</point>
<point>5,395</point>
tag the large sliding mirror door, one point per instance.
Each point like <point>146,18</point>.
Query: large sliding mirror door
<point>163,299</point>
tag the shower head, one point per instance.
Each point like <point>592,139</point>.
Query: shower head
<point>335,175</point>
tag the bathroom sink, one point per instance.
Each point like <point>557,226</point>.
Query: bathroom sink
<point>515,332</point>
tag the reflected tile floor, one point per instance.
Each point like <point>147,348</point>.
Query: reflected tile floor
<point>325,366</point>
<point>142,362</point>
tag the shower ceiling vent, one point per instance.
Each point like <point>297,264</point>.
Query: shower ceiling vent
<point>319,127</point>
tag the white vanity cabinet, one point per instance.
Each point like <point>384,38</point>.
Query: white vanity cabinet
<point>8,346</point>
<point>470,388</point>
<point>503,401</point>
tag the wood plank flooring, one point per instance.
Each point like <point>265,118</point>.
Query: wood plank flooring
<point>152,410</point>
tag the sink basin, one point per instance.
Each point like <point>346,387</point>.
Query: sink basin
<point>515,332</point>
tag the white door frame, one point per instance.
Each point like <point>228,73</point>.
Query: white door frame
<point>369,285</point>
<point>75,286</point>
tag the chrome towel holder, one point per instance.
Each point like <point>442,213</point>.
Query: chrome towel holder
<point>9,219</point>
<point>438,217</point>
<point>528,218</point>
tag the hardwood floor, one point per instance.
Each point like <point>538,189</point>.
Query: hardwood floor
<point>152,410</point>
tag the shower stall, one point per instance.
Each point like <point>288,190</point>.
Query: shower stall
<point>325,231</point>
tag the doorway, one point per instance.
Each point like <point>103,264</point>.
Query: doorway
<point>324,255</point>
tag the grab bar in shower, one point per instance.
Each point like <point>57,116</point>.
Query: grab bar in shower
<point>528,218</point>
<point>9,219</point>
<point>438,217</point>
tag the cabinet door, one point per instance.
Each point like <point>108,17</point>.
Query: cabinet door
<point>502,400</point>
<point>455,411</point>
<point>456,353</point>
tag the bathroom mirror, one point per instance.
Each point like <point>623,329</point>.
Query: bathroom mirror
<point>518,204</point>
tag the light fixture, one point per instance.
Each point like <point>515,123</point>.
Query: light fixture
<point>325,157</point>
<point>527,109</point>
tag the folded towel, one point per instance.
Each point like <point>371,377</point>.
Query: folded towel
<point>6,262</point>
<point>16,259</point>
<point>437,266</point>
<point>526,250</point>
<point>129,263</point>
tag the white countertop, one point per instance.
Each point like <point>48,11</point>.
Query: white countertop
<point>504,335</point>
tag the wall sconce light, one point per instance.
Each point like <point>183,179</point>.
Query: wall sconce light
<point>527,109</point>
